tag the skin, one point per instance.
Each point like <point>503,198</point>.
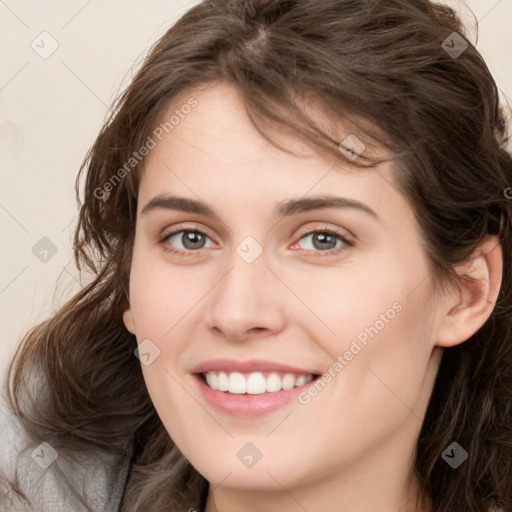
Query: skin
<point>351,447</point>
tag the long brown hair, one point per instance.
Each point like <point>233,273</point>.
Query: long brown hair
<point>384,66</point>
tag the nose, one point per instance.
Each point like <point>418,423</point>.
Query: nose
<point>248,300</point>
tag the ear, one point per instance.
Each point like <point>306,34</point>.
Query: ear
<point>128,318</point>
<point>469,307</point>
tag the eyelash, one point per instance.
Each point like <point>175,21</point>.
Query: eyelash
<point>347,243</point>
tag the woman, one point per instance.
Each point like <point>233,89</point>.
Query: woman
<point>222,357</point>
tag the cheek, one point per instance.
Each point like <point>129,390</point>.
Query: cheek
<point>375,327</point>
<point>385,364</point>
<point>160,295</point>
<point>346,303</point>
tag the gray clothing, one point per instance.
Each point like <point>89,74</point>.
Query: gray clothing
<point>98,479</point>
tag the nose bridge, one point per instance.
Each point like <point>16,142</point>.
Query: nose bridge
<point>247,297</point>
<point>248,267</point>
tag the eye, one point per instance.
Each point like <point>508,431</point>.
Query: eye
<point>326,241</point>
<point>192,240</point>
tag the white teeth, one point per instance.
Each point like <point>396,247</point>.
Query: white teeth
<point>212,380</point>
<point>222,381</point>
<point>254,383</point>
<point>237,383</point>
<point>288,381</point>
<point>301,380</point>
<point>273,383</point>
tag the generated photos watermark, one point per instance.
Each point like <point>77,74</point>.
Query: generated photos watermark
<point>137,156</point>
<point>357,345</point>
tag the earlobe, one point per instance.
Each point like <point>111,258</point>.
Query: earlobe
<point>476,298</point>
<point>128,319</point>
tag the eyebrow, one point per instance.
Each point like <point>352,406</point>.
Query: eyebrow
<point>284,208</point>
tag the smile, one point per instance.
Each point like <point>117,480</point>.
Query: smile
<point>255,383</point>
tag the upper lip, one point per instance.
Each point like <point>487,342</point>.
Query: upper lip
<point>249,366</point>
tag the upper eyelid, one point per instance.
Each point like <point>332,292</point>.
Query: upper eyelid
<point>174,231</point>
<point>343,232</point>
<point>303,231</point>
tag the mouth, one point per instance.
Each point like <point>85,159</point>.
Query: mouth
<point>254,383</point>
<point>250,388</point>
<point>251,395</point>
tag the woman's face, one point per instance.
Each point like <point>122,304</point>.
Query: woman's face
<point>244,280</point>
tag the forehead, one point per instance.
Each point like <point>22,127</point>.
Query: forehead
<point>214,148</point>
<point>220,127</point>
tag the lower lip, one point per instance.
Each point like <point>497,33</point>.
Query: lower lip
<point>248,406</point>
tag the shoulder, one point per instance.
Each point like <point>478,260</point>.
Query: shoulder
<point>35,476</point>
<point>12,441</point>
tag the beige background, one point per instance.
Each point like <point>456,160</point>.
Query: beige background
<point>52,108</point>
